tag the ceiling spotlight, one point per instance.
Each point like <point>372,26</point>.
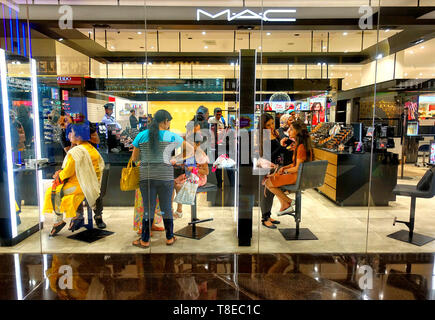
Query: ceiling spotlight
<point>411,52</point>
<point>346,51</point>
<point>112,47</point>
<point>405,74</point>
<point>268,34</point>
<point>387,30</point>
<point>420,74</point>
<point>259,48</point>
<point>205,47</point>
<point>204,33</point>
<point>150,63</point>
<point>232,64</point>
<point>324,63</point>
<point>324,47</point>
<point>60,39</point>
<point>152,47</point>
<point>379,56</point>
<point>318,63</point>
<point>422,47</point>
<point>139,32</point>
<point>208,65</point>
<point>89,31</point>
<point>344,33</point>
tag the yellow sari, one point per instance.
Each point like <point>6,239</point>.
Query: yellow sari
<point>73,194</point>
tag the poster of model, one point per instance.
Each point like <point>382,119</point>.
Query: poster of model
<point>318,107</point>
<point>412,107</point>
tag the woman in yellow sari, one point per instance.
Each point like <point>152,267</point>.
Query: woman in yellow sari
<point>79,178</point>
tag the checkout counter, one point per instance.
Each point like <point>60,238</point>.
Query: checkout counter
<point>348,152</point>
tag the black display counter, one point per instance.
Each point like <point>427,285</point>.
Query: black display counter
<point>347,180</point>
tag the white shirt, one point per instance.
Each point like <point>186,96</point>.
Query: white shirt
<point>220,123</point>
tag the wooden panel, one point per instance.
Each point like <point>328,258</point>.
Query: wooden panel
<point>325,155</point>
<point>328,191</point>
<point>331,181</point>
<point>331,170</point>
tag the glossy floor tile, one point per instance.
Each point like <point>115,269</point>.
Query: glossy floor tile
<point>218,277</point>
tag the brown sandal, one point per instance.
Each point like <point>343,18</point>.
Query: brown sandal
<point>171,241</point>
<point>138,243</point>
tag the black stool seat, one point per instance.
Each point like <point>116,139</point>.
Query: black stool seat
<point>310,175</point>
<point>413,193</point>
<point>207,187</point>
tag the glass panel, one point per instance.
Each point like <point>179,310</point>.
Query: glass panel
<point>403,135</point>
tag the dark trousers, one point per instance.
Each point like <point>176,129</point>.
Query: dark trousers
<point>98,211</point>
<point>266,202</point>
<point>230,174</point>
<point>150,189</point>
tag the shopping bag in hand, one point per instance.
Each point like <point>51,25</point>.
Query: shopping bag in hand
<point>223,161</point>
<point>187,193</point>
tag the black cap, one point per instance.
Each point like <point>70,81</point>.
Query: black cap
<point>109,106</point>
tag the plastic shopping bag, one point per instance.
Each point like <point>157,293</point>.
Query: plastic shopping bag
<point>223,161</point>
<point>187,193</point>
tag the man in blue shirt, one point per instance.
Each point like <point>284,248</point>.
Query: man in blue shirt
<point>108,119</point>
<point>111,124</point>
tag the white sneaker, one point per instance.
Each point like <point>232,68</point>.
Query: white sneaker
<point>178,214</point>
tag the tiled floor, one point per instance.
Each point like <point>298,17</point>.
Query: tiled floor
<point>339,229</point>
<point>218,277</point>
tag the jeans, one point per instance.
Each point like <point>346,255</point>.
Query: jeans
<point>265,203</point>
<point>98,211</point>
<point>150,189</point>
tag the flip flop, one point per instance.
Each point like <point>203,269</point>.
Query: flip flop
<point>171,243</point>
<point>55,230</point>
<point>290,209</point>
<point>76,224</point>
<point>138,243</point>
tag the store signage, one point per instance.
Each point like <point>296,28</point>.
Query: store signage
<point>271,15</point>
<point>69,81</point>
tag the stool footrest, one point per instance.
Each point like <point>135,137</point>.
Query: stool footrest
<point>199,221</point>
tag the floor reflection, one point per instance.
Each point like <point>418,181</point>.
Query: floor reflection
<point>217,277</point>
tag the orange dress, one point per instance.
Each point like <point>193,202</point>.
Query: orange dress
<point>279,180</point>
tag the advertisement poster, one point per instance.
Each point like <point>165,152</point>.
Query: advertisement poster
<point>432,153</point>
<point>247,121</point>
<point>426,107</point>
<point>318,107</point>
<point>65,95</point>
<point>412,107</point>
<point>54,94</point>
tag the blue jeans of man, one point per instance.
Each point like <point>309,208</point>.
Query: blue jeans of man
<point>150,189</point>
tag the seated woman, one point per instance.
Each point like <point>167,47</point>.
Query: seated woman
<point>288,174</point>
<point>79,178</point>
<point>199,161</point>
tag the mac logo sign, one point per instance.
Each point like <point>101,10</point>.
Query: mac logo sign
<point>271,15</point>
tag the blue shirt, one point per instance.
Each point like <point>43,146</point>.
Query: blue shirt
<point>107,120</point>
<point>164,136</point>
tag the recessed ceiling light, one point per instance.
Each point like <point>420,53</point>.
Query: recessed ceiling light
<point>152,47</point>
<point>150,63</point>
<point>420,74</point>
<point>422,47</point>
<point>232,64</point>
<point>324,47</point>
<point>89,31</point>
<point>405,74</point>
<point>411,52</point>
<point>318,63</point>
<point>60,39</point>
<point>344,33</point>
<point>139,32</point>
<point>268,34</point>
<point>204,33</point>
<point>290,65</point>
<point>259,48</point>
<point>387,30</point>
<point>346,51</point>
<point>208,65</point>
<point>324,63</point>
<point>379,56</point>
<point>205,47</point>
<point>332,74</point>
<point>112,47</point>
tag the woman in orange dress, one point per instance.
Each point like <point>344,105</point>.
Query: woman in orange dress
<point>286,175</point>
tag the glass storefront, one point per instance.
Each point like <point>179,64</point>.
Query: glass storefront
<point>244,84</point>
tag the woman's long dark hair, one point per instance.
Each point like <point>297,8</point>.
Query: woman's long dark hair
<point>159,117</point>
<point>303,137</point>
<point>264,118</point>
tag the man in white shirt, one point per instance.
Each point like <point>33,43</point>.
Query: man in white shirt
<point>217,119</point>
